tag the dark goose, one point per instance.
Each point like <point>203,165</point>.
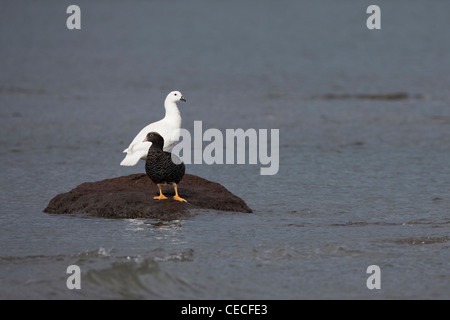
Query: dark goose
<point>160,168</point>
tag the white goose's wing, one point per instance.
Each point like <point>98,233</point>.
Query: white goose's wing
<point>138,149</point>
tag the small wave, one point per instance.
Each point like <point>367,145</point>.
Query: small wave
<point>426,222</point>
<point>343,224</point>
<point>422,240</point>
<point>139,225</point>
<point>103,275</point>
<point>368,96</point>
<point>367,224</point>
<point>19,90</point>
<point>137,278</point>
<point>181,256</point>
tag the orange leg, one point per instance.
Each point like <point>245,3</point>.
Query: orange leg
<point>161,196</point>
<point>177,197</point>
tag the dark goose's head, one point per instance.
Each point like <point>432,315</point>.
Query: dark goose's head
<point>156,140</point>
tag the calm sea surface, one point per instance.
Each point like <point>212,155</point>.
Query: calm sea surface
<point>364,120</point>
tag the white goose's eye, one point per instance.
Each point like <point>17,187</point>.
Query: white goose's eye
<point>175,94</point>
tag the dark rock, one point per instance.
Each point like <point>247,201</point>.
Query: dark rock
<point>132,197</point>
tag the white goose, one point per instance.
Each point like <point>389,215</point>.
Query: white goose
<point>168,128</point>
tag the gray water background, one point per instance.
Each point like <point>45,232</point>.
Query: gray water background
<point>364,122</point>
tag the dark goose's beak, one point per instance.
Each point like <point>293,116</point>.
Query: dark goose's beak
<point>183,99</point>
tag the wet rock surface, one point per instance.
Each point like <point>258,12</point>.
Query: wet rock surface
<point>132,197</point>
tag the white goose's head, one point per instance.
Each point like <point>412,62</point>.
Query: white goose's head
<point>175,96</point>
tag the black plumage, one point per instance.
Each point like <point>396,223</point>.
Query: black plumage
<point>163,167</point>
<point>160,167</point>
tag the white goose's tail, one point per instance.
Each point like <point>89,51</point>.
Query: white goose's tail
<point>136,152</point>
<point>130,160</point>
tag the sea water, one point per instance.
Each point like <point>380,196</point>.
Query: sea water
<point>364,153</point>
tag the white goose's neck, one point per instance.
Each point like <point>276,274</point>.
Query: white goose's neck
<point>172,111</point>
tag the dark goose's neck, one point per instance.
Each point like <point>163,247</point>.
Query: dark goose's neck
<point>157,145</point>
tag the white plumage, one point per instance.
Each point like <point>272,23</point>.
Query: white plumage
<point>168,128</point>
